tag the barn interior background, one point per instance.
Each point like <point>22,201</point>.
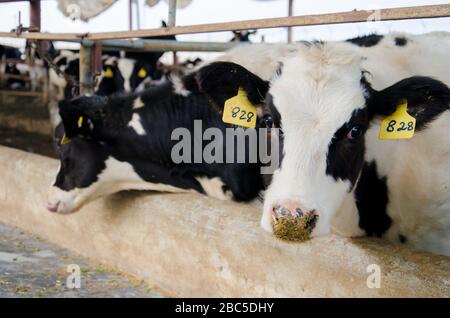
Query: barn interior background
<point>202,28</point>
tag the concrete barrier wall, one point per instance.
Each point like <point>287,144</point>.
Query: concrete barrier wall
<point>25,113</point>
<point>197,246</point>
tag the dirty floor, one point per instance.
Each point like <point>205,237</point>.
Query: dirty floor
<point>30,267</point>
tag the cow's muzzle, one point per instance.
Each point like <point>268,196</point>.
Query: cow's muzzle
<point>293,222</point>
<point>60,201</point>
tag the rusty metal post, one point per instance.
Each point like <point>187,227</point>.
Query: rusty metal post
<point>86,73</point>
<point>290,12</point>
<point>35,26</point>
<point>35,15</point>
<point>97,61</point>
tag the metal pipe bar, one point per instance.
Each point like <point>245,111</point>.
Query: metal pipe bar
<point>163,45</point>
<point>404,13</point>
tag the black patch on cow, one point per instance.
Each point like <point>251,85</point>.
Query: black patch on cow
<point>270,109</point>
<point>427,98</point>
<point>401,41</point>
<point>371,195</point>
<point>111,85</point>
<point>366,40</point>
<point>62,61</point>
<point>190,83</point>
<point>10,52</point>
<point>345,157</point>
<point>82,160</point>
<point>221,81</point>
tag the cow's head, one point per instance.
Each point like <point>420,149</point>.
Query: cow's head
<point>111,80</point>
<point>82,155</point>
<point>104,148</point>
<point>324,104</point>
<point>72,71</point>
<point>142,73</point>
<point>89,146</point>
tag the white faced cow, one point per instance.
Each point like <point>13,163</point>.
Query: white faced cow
<point>329,99</point>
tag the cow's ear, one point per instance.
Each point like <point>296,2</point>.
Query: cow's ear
<point>221,81</point>
<point>81,116</point>
<point>427,98</point>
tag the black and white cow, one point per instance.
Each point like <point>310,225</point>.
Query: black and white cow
<point>329,99</point>
<point>11,58</point>
<point>125,142</point>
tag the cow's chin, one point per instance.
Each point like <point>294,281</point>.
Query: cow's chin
<point>62,202</point>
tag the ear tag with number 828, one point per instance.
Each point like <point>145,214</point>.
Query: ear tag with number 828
<point>238,110</point>
<point>399,125</point>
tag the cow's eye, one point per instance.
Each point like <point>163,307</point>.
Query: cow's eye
<point>355,133</point>
<point>268,121</point>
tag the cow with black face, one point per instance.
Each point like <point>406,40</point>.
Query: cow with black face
<point>242,35</point>
<point>329,100</point>
<point>111,80</point>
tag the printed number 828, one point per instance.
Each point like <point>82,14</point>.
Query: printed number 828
<point>242,114</point>
<point>403,126</point>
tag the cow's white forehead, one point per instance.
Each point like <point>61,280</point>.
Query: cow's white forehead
<point>319,88</point>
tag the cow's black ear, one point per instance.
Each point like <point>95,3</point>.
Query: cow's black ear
<point>221,81</point>
<point>427,98</point>
<point>82,115</point>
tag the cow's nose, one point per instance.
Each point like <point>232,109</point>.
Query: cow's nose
<point>292,221</point>
<point>53,206</point>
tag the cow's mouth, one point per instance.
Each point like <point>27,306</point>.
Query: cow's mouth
<point>293,225</point>
<point>53,207</point>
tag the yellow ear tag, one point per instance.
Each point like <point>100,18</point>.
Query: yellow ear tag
<point>142,73</point>
<point>65,140</point>
<point>238,110</point>
<point>109,73</point>
<point>399,125</point>
<point>80,121</point>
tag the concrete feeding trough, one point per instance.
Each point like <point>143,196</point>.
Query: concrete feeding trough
<point>196,246</point>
